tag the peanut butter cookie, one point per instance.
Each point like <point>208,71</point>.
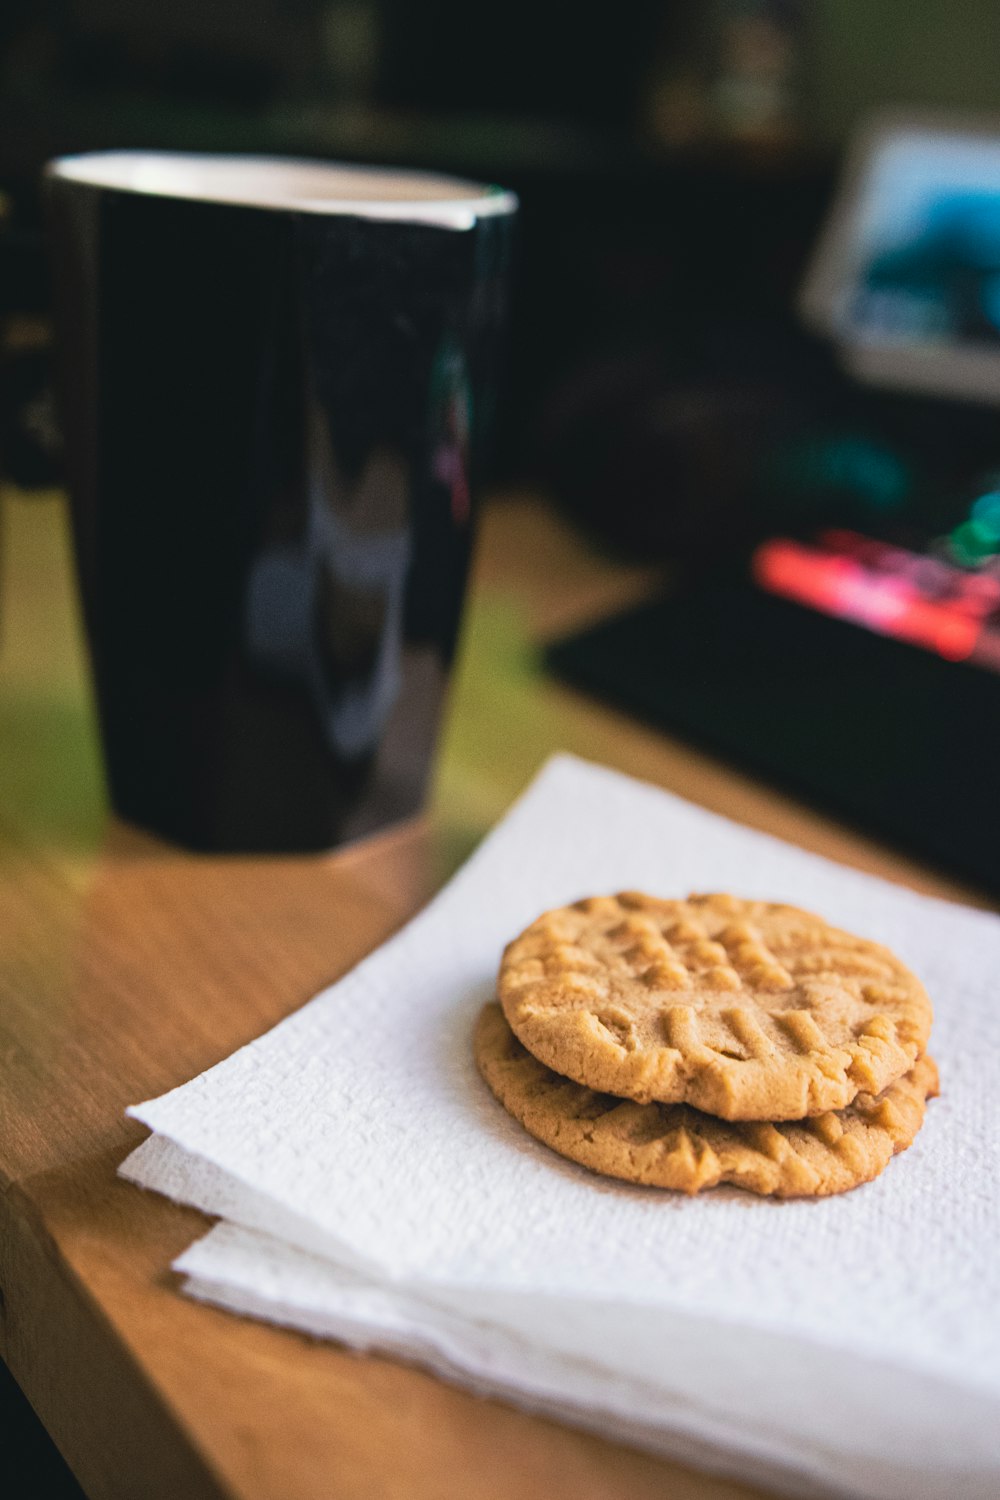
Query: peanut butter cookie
<point>674,1146</point>
<point>745,1009</point>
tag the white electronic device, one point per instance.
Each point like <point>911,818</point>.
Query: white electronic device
<point>906,276</point>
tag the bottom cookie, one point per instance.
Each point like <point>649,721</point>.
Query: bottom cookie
<point>675,1146</point>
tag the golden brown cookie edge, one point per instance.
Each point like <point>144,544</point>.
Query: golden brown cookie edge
<point>771,1168</point>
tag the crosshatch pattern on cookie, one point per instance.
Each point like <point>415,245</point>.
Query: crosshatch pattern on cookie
<point>675,1146</point>
<point>745,1009</point>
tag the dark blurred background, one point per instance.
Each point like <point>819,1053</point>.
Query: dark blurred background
<point>674,160</point>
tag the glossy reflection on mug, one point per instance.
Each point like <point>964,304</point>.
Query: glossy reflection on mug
<point>277,383</point>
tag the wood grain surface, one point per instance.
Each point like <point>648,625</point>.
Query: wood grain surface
<point>127,966</point>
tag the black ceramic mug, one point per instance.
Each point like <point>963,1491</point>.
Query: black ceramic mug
<point>276,382</point>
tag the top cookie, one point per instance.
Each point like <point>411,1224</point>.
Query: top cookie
<point>747,1010</point>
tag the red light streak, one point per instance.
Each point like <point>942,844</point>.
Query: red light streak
<point>888,603</point>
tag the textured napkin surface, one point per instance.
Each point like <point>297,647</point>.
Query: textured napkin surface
<point>254,1274</point>
<point>359,1130</point>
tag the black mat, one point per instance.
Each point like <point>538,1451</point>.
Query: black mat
<point>902,743</point>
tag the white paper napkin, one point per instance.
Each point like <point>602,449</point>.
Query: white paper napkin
<point>855,1341</point>
<point>251,1273</point>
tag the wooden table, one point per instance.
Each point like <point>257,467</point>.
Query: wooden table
<point>126,967</point>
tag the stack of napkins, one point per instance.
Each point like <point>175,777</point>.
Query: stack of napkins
<point>371,1189</point>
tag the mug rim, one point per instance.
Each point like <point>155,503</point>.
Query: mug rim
<point>161,174</point>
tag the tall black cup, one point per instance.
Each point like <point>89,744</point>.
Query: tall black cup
<point>276,379</point>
